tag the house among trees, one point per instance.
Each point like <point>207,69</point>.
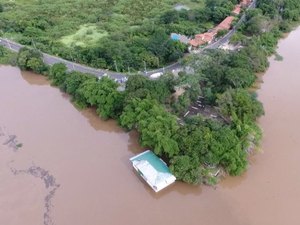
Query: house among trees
<point>237,10</point>
<point>245,3</point>
<point>202,39</point>
<point>207,38</point>
<point>225,24</point>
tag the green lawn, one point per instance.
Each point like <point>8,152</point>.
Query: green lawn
<point>86,35</point>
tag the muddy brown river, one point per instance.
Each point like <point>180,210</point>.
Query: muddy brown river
<point>60,166</point>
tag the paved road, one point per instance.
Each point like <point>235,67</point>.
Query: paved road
<point>50,59</point>
<point>214,45</point>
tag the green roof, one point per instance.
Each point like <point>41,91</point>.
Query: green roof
<point>154,171</point>
<point>155,161</point>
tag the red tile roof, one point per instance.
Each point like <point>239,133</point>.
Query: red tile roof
<point>225,24</point>
<point>206,37</point>
<point>246,2</point>
<point>196,42</point>
<point>237,9</point>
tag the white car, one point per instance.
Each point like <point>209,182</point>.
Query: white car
<point>156,75</point>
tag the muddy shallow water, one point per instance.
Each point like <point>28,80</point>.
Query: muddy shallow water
<point>73,168</point>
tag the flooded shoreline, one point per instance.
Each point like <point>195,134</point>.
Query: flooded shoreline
<point>73,168</point>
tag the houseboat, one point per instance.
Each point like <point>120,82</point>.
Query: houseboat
<point>153,170</point>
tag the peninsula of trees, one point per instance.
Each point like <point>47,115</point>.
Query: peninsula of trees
<point>194,146</point>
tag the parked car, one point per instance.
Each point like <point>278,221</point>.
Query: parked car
<point>156,75</point>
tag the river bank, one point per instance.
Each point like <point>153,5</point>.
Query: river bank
<point>149,107</point>
<point>89,160</point>
<point>272,180</point>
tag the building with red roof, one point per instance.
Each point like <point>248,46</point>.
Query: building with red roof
<point>245,3</point>
<point>237,9</point>
<point>201,39</point>
<point>207,38</point>
<point>225,24</point>
<point>196,43</point>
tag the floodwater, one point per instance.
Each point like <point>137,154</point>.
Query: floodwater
<point>73,168</point>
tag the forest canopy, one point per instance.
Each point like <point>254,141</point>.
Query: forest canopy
<point>114,34</point>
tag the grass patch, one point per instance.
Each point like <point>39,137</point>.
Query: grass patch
<point>86,35</point>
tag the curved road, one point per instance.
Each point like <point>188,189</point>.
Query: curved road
<point>50,59</point>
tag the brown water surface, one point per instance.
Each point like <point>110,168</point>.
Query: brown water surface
<point>73,168</point>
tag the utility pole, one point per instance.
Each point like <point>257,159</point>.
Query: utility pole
<point>33,44</point>
<point>8,44</point>
<point>72,63</point>
<point>116,66</point>
<point>145,66</point>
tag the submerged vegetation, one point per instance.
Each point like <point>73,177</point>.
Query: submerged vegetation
<point>195,147</point>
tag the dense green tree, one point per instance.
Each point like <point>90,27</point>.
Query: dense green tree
<point>186,169</point>
<point>30,59</point>
<point>170,17</point>
<point>74,80</point>
<point>239,77</point>
<point>156,126</point>
<point>257,25</point>
<point>135,82</point>
<point>219,9</point>
<point>7,57</point>
<point>268,41</point>
<point>257,58</point>
<point>139,86</point>
<point>2,51</point>
<point>58,74</point>
<point>181,104</point>
<point>226,150</point>
<point>36,64</point>
<point>220,146</point>
<point>241,103</point>
<point>191,135</point>
<point>159,44</point>
<point>102,94</point>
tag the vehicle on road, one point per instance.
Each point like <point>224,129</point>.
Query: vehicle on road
<point>156,75</point>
